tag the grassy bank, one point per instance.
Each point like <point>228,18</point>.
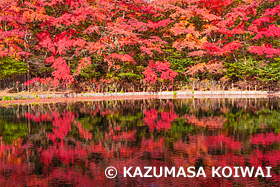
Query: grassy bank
<point>60,97</point>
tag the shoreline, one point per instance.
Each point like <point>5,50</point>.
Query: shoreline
<point>73,97</point>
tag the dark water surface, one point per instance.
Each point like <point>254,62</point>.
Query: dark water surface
<point>64,144</point>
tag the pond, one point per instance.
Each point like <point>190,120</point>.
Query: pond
<point>71,144</point>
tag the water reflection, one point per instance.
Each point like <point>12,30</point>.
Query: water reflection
<point>72,144</point>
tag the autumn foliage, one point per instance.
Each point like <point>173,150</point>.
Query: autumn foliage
<point>77,43</point>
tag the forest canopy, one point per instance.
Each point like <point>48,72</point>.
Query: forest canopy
<point>140,45</point>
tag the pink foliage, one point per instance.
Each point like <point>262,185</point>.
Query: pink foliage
<point>212,67</point>
<point>29,82</point>
<point>216,49</point>
<point>150,75</point>
<point>160,67</point>
<point>123,58</point>
<point>270,31</point>
<point>265,50</point>
<point>83,63</point>
<point>62,71</point>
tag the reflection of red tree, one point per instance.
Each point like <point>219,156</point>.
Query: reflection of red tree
<point>42,117</point>
<point>210,122</point>
<point>13,165</point>
<point>265,139</point>
<point>152,145</point>
<point>64,153</point>
<point>151,117</point>
<point>62,126</point>
<point>123,136</point>
<point>83,132</point>
<point>81,162</point>
<point>222,142</point>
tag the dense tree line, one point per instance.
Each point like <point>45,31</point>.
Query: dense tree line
<point>123,45</point>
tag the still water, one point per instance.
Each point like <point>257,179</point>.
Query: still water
<point>71,144</point>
